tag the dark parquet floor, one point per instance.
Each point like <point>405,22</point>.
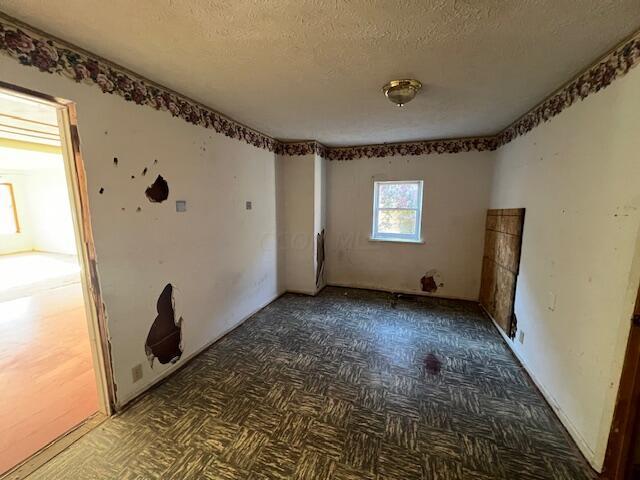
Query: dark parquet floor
<point>351,384</point>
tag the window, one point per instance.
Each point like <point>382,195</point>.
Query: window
<point>397,211</point>
<point>8,214</point>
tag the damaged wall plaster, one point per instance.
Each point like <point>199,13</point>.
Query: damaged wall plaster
<point>319,256</point>
<point>220,283</point>
<point>431,281</point>
<point>158,191</point>
<point>164,340</point>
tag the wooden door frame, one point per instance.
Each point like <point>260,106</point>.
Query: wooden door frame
<point>79,200</point>
<point>619,447</point>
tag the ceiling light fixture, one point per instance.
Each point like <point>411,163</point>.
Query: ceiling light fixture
<point>401,91</point>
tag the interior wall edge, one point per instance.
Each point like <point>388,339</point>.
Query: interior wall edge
<point>580,267</point>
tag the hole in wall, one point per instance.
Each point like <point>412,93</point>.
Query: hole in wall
<point>158,191</point>
<point>164,340</point>
<point>431,281</point>
<point>319,257</point>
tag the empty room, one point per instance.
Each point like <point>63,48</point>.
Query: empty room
<point>380,240</point>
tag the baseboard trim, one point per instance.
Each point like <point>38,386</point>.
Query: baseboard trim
<point>395,290</point>
<point>301,292</point>
<point>165,375</point>
<point>580,442</point>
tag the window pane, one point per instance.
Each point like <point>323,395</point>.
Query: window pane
<point>7,215</point>
<point>397,221</point>
<point>398,195</point>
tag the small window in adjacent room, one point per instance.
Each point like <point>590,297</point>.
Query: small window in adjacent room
<point>397,211</point>
<point>8,213</point>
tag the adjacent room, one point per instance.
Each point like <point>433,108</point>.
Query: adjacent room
<point>46,371</point>
<point>320,240</point>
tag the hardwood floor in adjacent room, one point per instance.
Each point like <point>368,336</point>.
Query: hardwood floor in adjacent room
<point>47,383</point>
<point>347,385</point>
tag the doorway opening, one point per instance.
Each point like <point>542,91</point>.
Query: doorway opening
<point>54,370</point>
<point>622,459</point>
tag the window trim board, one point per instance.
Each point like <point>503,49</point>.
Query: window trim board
<point>396,237</point>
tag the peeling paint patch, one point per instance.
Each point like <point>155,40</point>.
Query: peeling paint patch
<point>158,191</point>
<point>432,364</point>
<point>514,327</point>
<point>164,340</point>
<point>319,257</point>
<point>431,281</point>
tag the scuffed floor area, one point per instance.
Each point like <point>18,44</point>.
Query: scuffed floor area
<point>47,383</point>
<point>351,384</point>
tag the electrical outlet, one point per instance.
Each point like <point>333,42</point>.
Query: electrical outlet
<point>521,336</point>
<point>248,205</point>
<point>136,373</point>
<point>181,205</point>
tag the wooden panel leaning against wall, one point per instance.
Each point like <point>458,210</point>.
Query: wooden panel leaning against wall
<point>500,265</point>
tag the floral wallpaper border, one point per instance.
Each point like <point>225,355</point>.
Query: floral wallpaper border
<point>53,56</point>
<point>613,65</point>
<point>426,147</point>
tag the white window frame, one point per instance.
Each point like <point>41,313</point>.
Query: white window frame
<point>397,237</point>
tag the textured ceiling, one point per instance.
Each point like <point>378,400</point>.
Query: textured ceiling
<point>313,69</point>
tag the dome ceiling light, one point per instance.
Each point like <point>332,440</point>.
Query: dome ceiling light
<point>401,91</point>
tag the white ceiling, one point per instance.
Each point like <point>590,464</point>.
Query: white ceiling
<point>28,121</point>
<point>313,69</point>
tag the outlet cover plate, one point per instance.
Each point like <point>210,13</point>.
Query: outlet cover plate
<point>136,373</point>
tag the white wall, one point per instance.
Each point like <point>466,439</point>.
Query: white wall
<point>50,211</point>
<point>578,176</point>
<point>456,197</point>
<point>220,257</point>
<point>319,213</point>
<point>42,200</point>
<point>23,240</point>
<point>296,221</point>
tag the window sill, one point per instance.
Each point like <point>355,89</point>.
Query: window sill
<point>391,240</point>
